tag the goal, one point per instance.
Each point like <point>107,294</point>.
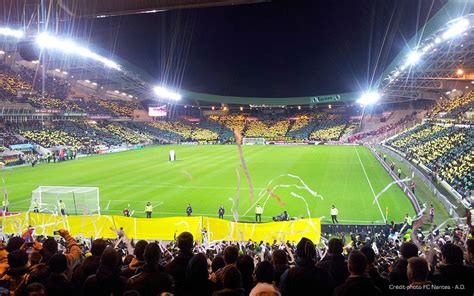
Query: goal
<point>78,200</point>
<point>253,141</point>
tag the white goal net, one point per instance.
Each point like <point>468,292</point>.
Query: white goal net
<point>77,200</point>
<point>253,141</point>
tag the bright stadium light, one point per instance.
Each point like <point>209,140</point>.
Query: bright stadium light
<point>369,98</point>
<point>166,94</point>
<point>413,58</point>
<point>456,29</point>
<point>46,41</point>
<point>11,33</point>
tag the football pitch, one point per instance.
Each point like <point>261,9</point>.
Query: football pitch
<point>303,180</point>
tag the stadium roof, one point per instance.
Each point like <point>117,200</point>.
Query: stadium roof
<point>437,59</point>
<point>134,82</point>
<point>24,11</point>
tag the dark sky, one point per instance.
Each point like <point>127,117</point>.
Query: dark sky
<point>277,49</point>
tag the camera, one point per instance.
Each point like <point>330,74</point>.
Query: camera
<point>56,232</point>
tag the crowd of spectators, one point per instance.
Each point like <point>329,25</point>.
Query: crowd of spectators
<point>129,135</point>
<point>329,130</point>
<point>445,150</point>
<point>454,107</point>
<point>267,128</point>
<point>11,83</point>
<point>54,103</point>
<point>381,130</point>
<point>120,108</point>
<point>392,261</point>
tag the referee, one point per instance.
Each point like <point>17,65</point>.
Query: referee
<point>334,215</point>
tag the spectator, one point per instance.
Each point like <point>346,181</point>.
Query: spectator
<point>36,289</point>
<point>305,276</point>
<point>280,265</point>
<point>90,265</point>
<point>57,282</point>
<point>197,277</point>
<point>358,283</point>
<point>264,278</point>
<point>231,281</point>
<point>177,267</point>
<point>231,254</point>
<point>107,280</point>
<point>138,261</point>
<point>417,273</point>
<point>470,252</point>
<point>245,265</point>
<point>152,280</point>
<point>217,263</point>
<point>334,262</point>
<point>17,275</point>
<point>398,276</point>
<point>380,282</point>
<point>452,272</point>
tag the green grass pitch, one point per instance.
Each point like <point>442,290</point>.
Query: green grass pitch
<point>206,177</point>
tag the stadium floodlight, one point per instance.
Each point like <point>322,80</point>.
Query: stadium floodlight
<point>413,58</point>
<point>46,41</point>
<point>438,40</point>
<point>369,98</point>
<point>5,31</point>
<point>166,94</point>
<point>456,29</point>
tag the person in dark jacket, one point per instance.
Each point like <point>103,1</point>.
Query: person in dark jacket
<point>57,284</point>
<point>334,262</point>
<point>152,280</point>
<point>453,273</point>
<point>246,266</point>
<point>138,261</point>
<point>231,254</point>
<point>89,265</point>
<point>379,281</point>
<point>305,276</point>
<point>107,280</point>
<point>358,283</point>
<point>197,277</point>
<point>232,282</point>
<point>417,273</point>
<point>177,267</point>
<point>17,275</point>
<point>280,265</point>
<point>398,275</point>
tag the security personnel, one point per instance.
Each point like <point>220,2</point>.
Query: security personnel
<point>221,212</point>
<point>148,210</point>
<point>258,213</point>
<point>408,221</point>
<point>35,206</point>
<point>5,205</point>
<point>62,207</point>
<point>334,213</point>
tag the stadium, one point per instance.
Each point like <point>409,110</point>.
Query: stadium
<point>128,168</point>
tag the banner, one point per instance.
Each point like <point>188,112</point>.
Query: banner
<point>163,228</point>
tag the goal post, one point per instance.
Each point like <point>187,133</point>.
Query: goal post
<point>77,200</point>
<point>253,141</point>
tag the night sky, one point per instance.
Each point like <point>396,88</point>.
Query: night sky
<point>277,49</point>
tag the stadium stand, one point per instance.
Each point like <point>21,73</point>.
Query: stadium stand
<point>120,108</point>
<point>455,107</point>
<point>446,150</point>
<point>261,128</point>
<point>329,130</point>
